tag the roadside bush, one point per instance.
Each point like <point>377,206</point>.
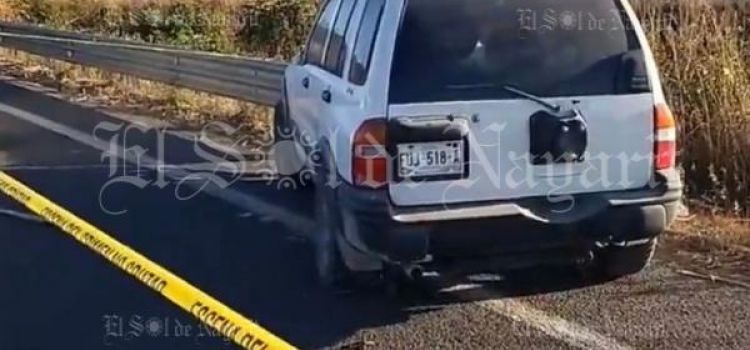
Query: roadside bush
<point>268,28</point>
<point>200,25</point>
<point>9,10</point>
<point>91,15</point>
<point>277,28</point>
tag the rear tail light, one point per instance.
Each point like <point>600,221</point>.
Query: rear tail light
<point>665,138</point>
<point>370,157</point>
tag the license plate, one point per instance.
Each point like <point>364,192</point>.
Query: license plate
<point>430,159</point>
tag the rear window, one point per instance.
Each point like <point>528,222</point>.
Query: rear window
<point>449,50</point>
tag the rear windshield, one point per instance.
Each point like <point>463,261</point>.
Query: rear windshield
<point>450,50</point>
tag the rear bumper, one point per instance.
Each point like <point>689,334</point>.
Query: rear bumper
<point>405,235</point>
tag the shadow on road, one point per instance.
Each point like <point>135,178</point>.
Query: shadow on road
<point>276,284</point>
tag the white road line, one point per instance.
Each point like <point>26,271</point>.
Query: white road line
<point>244,201</point>
<point>551,325</point>
<point>22,216</point>
<point>554,326</point>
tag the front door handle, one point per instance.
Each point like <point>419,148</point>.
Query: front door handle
<point>306,82</point>
<point>326,96</point>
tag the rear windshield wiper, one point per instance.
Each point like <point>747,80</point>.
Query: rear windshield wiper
<point>513,90</point>
<point>553,107</point>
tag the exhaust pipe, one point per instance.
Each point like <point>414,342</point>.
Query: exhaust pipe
<point>414,272</point>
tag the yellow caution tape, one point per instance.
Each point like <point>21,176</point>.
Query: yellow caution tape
<point>208,310</point>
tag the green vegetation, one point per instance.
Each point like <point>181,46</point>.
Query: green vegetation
<point>271,28</point>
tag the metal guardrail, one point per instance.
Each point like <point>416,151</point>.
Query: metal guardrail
<point>238,77</point>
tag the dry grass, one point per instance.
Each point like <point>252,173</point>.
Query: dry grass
<point>732,231</point>
<point>704,58</point>
<point>704,55</point>
<point>715,243</point>
<point>183,108</point>
<point>8,12</point>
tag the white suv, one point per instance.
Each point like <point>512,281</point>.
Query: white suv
<point>469,135</point>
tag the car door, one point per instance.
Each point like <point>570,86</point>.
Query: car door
<point>336,95</point>
<point>302,89</point>
<point>345,78</point>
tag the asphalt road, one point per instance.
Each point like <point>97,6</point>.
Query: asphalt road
<point>245,245</point>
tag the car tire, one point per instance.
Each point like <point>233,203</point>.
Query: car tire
<point>617,262</point>
<point>331,270</point>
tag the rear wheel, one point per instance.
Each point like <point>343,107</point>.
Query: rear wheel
<point>330,267</point>
<point>619,262</point>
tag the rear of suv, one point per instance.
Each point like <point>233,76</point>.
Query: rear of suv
<point>480,134</point>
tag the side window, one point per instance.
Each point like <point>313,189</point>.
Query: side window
<point>337,46</point>
<point>365,43</point>
<point>317,43</point>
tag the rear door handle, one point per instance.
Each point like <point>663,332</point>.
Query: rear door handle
<point>306,82</point>
<point>326,96</point>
